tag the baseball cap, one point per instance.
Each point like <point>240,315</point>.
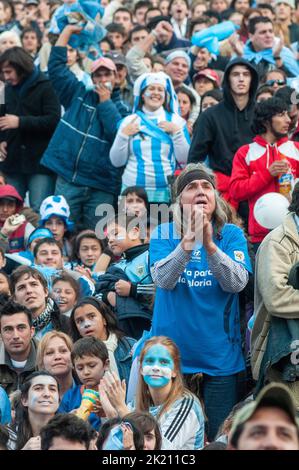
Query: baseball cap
<point>117,58</point>
<point>103,62</point>
<point>274,394</point>
<point>291,3</point>
<point>208,73</point>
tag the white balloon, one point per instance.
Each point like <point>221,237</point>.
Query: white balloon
<point>270,210</point>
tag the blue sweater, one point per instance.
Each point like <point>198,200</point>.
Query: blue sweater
<point>79,148</point>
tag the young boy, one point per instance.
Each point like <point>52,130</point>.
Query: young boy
<point>90,360</point>
<point>127,285</point>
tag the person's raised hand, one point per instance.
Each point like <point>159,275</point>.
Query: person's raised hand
<point>132,128</point>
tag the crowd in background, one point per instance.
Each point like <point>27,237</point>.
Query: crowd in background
<point>149,224</point>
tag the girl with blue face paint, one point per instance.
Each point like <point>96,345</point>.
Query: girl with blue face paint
<point>162,393</point>
<point>157,367</point>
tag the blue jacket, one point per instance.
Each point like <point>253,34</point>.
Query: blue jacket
<point>79,149</point>
<point>123,357</point>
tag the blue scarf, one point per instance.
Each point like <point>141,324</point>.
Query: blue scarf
<point>151,129</point>
<point>286,55</point>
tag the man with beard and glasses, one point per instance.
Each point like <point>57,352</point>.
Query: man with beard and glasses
<point>259,167</point>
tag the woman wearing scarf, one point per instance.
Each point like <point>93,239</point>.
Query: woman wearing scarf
<point>152,141</point>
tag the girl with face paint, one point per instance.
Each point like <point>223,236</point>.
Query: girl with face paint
<point>92,317</point>
<point>162,393</point>
<point>38,403</point>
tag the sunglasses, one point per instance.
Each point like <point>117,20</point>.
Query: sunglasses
<point>272,82</point>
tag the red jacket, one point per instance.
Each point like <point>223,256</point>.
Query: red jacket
<point>251,179</point>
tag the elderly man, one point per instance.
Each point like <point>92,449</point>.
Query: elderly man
<point>275,334</point>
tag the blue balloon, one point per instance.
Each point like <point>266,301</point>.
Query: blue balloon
<point>219,31</point>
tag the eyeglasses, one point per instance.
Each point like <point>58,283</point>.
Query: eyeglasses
<point>272,82</point>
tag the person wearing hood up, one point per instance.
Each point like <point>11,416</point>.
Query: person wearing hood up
<point>220,131</point>
<point>152,141</point>
<point>268,164</point>
<point>14,229</point>
<point>54,215</point>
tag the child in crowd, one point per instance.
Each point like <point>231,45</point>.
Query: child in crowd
<point>54,215</point>
<point>136,201</point>
<point>127,285</point>
<point>91,361</point>
<point>91,317</point>
<point>88,250</point>
<point>161,392</point>
<point>66,292</point>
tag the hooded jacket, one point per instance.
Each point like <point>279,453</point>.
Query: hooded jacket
<point>251,178</point>
<point>79,148</point>
<point>17,239</point>
<point>36,104</point>
<point>221,130</point>
<point>274,297</point>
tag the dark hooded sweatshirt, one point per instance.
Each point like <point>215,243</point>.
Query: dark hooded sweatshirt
<point>221,130</point>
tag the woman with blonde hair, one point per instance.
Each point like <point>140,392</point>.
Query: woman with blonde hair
<point>200,263</point>
<point>54,355</point>
<point>162,393</point>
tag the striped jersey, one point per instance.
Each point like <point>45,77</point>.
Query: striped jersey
<point>150,159</point>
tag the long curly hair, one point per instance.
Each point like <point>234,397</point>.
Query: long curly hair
<point>264,112</point>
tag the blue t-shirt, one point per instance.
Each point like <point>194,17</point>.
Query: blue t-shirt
<point>197,314</point>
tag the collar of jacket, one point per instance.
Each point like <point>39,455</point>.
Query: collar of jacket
<point>31,360</point>
<point>290,228</point>
<point>131,253</point>
<point>259,140</point>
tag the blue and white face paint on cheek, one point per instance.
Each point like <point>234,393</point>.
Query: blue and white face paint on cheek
<point>86,325</point>
<point>157,366</point>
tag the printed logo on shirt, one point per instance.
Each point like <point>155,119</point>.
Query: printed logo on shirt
<point>196,255</point>
<point>239,256</point>
<point>140,270</point>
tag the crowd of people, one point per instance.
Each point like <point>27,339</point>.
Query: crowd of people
<point>149,225</point>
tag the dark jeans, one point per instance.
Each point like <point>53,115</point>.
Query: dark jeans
<point>218,395</point>
<point>39,187</point>
<point>83,202</point>
<point>135,326</point>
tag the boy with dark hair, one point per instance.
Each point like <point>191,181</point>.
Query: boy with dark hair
<point>127,285</point>
<point>117,34</point>
<point>66,432</point>
<point>90,360</point>
<point>48,252</point>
